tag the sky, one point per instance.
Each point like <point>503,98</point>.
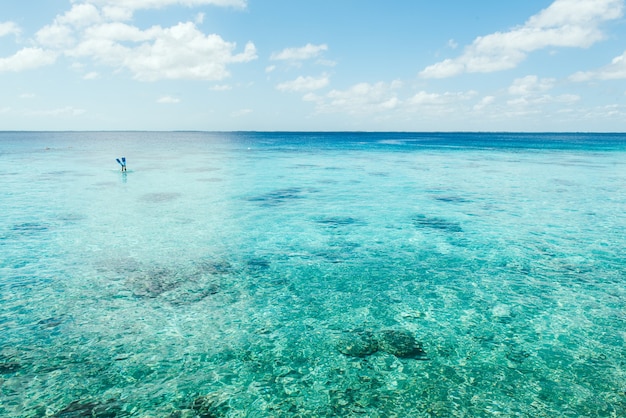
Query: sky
<point>313,65</point>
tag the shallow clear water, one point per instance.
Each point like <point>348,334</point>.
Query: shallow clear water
<point>283,274</point>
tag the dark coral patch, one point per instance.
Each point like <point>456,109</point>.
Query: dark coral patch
<point>280,196</point>
<point>357,344</point>
<point>9,367</point>
<point>450,199</point>
<point>78,409</point>
<point>258,264</point>
<point>29,228</point>
<point>212,405</point>
<point>423,221</point>
<point>50,322</point>
<point>400,343</point>
<point>337,221</point>
<point>153,283</point>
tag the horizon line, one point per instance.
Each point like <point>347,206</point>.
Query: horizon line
<point>307,131</point>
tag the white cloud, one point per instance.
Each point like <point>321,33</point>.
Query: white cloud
<point>168,100</point>
<point>60,33</point>
<point>606,112</point>
<point>614,71</point>
<point>9,28</point>
<point>312,97</point>
<point>299,54</point>
<point>326,63</point>
<point>91,76</point>
<point>383,100</point>
<point>120,32</point>
<point>55,36</point>
<point>221,87</point>
<point>80,15</point>
<point>484,102</point>
<point>582,76</point>
<point>304,84</point>
<point>565,23</point>
<point>67,111</point>
<point>543,100</point>
<point>567,98</point>
<point>577,12</point>
<point>117,14</point>
<point>177,52</point>
<point>531,91</point>
<point>530,85</point>
<point>26,59</point>
<point>123,10</point>
<point>241,112</point>
<point>27,96</point>
<point>93,29</point>
<point>156,4</point>
<point>362,98</point>
<point>423,98</point>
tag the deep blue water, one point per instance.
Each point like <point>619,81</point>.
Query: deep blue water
<point>312,274</point>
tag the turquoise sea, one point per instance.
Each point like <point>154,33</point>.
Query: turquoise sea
<point>312,275</point>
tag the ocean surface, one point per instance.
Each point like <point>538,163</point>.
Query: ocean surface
<point>312,275</point>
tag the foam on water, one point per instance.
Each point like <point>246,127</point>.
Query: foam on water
<point>286,274</point>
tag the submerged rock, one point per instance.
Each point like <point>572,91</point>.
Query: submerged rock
<point>213,405</point>
<point>27,228</point>
<point>9,367</point>
<point>50,322</point>
<point>79,409</point>
<point>191,294</point>
<point>120,265</point>
<point>280,196</point>
<point>450,199</point>
<point>337,221</point>
<point>357,344</point>
<point>423,221</point>
<point>400,343</point>
<point>517,354</point>
<point>178,284</point>
<point>214,267</point>
<point>258,264</point>
<point>153,283</point>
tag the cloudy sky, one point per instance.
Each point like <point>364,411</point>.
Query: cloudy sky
<point>394,65</point>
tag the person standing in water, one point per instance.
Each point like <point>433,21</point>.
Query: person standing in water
<point>122,163</point>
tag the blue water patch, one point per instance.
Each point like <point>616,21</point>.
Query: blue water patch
<point>312,274</point>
